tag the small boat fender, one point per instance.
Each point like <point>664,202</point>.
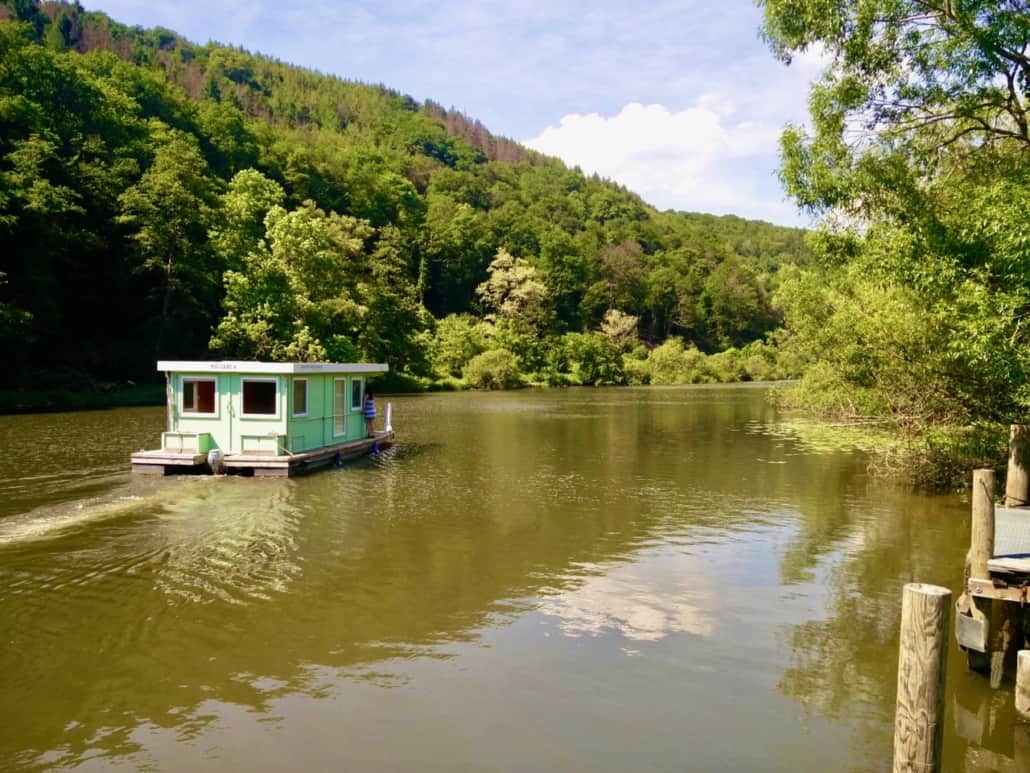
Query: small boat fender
<point>214,460</point>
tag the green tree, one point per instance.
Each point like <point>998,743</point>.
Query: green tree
<point>169,211</point>
<point>512,291</point>
<point>734,306</point>
<point>519,305</point>
<point>621,328</point>
<point>595,358</point>
<point>455,252</point>
<point>14,322</point>
<point>228,144</point>
<point>302,298</point>
<point>394,321</point>
<point>240,227</point>
<point>624,271</point>
<point>676,363</point>
<point>457,339</point>
<point>920,158</point>
<point>493,369</point>
<point>91,109</point>
<point>906,77</point>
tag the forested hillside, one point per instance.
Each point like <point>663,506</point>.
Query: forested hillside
<point>164,199</point>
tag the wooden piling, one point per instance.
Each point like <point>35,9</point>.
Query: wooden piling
<point>1017,480</point>
<point>922,655</point>
<point>1004,619</point>
<point>981,543</point>
<point>1023,684</point>
<point>976,632</point>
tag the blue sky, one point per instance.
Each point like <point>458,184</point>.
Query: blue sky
<point>678,100</point>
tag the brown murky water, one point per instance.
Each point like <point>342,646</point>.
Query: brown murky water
<point>626,579</point>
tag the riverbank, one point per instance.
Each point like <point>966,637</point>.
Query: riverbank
<point>933,457</point>
<point>63,399</point>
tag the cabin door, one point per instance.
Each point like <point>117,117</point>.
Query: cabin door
<point>231,408</point>
<point>338,430</point>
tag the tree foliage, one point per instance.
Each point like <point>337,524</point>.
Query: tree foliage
<point>920,159</point>
<point>240,206</point>
<point>298,297</point>
<point>493,369</point>
<point>169,211</point>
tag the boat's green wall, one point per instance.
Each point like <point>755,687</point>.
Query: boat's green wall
<point>233,433</point>
<point>218,425</point>
<point>316,429</point>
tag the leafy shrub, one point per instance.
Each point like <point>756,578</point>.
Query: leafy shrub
<point>675,363</point>
<point>595,358</point>
<point>726,367</point>
<point>457,339</point>
<point>636,367</point>
<point>493,369</point>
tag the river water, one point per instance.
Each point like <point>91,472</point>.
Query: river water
<point>582,579</point>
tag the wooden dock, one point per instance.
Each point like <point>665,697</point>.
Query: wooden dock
<point>990,624</point>
<point>992,621</point>
<point>188,462</point>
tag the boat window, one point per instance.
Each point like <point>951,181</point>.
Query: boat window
<point>355,394</point>
<point>300,397</point>
<point>259,398</point>
<point>198,395</point>
<point>339,396</point>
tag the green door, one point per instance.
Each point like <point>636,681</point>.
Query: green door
<point>232,390</point>
<point>339,423</point>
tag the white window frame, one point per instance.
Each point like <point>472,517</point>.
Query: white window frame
<point>278,399</point>
<point>182,397</point>
<point>293,396</point>
<point>361,394</point>
<point>343,414</point>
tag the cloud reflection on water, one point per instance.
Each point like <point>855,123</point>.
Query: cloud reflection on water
<point>656,596</point>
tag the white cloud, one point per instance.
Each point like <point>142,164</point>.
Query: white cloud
<point>813,60</point>
<point>703,158</point>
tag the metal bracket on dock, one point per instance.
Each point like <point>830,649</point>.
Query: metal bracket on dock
<point>971,632</point>
<point>989,589</point>
<point>971,625</point>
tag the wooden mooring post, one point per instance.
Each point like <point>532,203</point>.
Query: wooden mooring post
<point>973,624</point>
<point>1017,481</point>
<point>1003,617</point>
<point>981,539</point>
<point>922,656</point>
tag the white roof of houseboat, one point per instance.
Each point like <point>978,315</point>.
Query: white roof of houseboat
<point>242,366</point>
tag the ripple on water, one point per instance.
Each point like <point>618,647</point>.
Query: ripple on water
<point>233,544</point>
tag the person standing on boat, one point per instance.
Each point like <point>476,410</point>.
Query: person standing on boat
<point>368,409</point>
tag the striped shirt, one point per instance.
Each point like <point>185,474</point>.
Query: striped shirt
<point>369,408</point>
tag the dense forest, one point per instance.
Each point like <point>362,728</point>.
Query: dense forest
<point>161,199</point>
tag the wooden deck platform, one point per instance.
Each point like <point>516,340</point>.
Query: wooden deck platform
<point>1011,541</point>
<point>1009,567</point>
<point>162,462</point>
<point>991,615</point>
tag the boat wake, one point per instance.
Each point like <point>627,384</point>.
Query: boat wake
<point>53,521</point>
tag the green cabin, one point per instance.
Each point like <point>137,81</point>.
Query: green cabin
<point>249,414</point>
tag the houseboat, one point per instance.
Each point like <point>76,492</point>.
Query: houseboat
<point>263,418</point>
